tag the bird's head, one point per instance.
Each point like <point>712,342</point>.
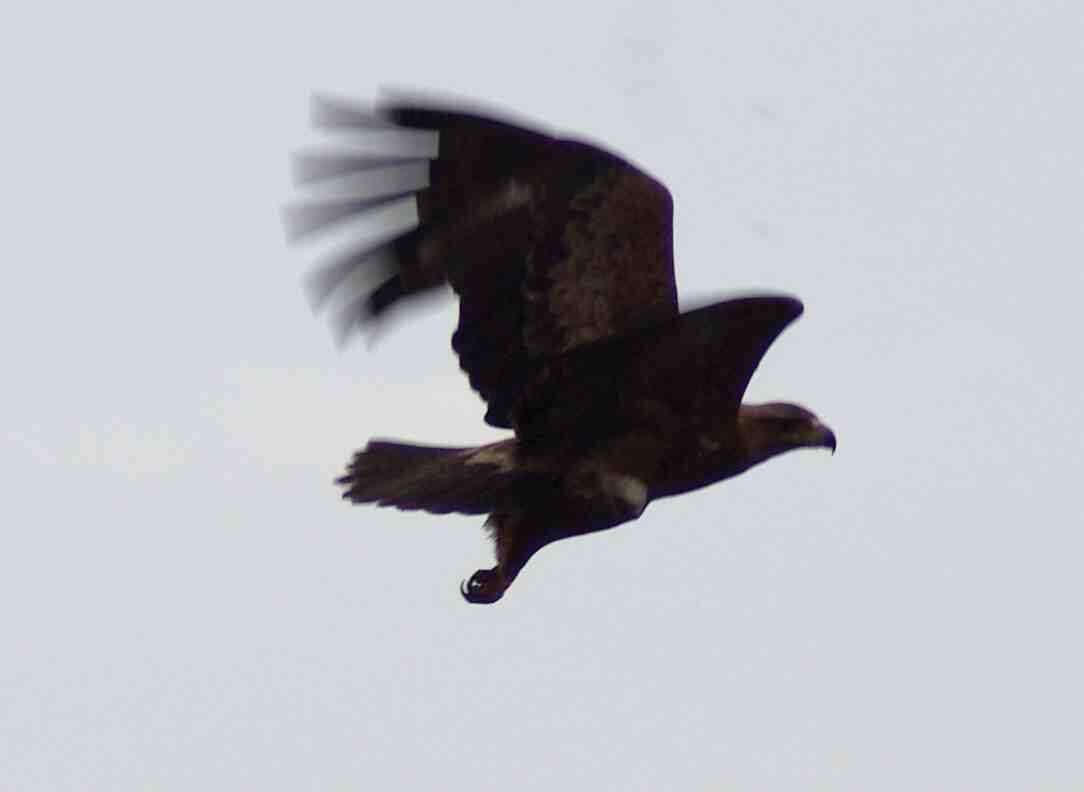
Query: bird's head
<point>767,430</point>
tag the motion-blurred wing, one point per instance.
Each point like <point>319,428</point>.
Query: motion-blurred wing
<point>550,243</point>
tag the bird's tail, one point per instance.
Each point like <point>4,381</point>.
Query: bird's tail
<point>439,480</point>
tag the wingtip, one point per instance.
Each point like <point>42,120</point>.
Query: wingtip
<point>786,305</point>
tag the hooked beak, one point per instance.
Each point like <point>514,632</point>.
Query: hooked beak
<point>825,438</point>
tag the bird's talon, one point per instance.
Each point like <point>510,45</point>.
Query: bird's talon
<point>483,587</point>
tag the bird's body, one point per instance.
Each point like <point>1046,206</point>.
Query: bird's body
<point>561,255</point>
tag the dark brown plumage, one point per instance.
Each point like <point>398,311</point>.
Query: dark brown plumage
<point>561,255</point>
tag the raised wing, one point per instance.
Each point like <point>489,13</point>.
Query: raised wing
<point>550,243</point>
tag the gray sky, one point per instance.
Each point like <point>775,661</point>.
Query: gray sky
<point>185,604</point>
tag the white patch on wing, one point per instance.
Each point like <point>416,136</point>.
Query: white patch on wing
<point>514,195</point>
<point>708,444</point>
<point>511,197</point>
<point>627,489</point>
<point>500,455</point>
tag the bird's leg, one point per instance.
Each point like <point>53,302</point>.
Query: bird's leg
<point>484,586</point>
<point>518,534</point>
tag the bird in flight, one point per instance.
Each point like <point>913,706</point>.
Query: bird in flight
<point>561,255</point>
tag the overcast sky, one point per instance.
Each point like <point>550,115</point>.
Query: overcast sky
<point>185,604</point>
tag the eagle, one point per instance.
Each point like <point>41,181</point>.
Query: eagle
<point>561,255</point>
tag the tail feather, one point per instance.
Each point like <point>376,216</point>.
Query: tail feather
<point>433,479</point>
